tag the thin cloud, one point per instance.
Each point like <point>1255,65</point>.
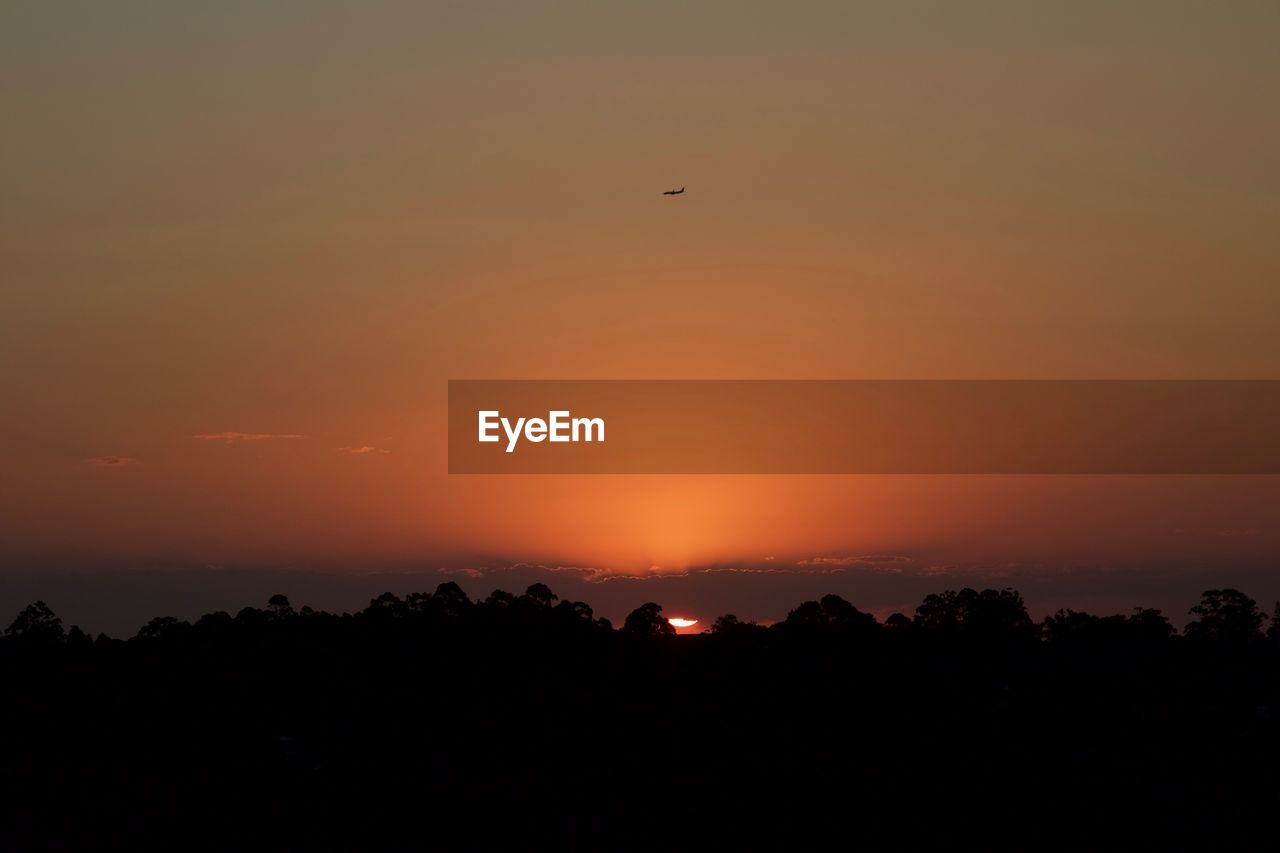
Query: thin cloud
<point>112,461</point>
<point>585,573</point>
<point>890,563</point>
<point>469,571</point>
<point>361,451</point>
<point>233,437</point>
<point>875,564</point>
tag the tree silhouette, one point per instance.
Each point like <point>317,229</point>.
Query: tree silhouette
<point>990,615</point>
<point>415,722</point>
<point>1226,616</point>
<point>831,614</point>
<point>450,601</point>
<point>575,610</point>
<point>646,621</point>
<point>1150,625</point>
<point>37,624</point>
<point>541,595</point>
<point>726,624</point>
<point>279,606</point>
<point>898,622</point>
<point>500,598</point>
<point>163,629</point>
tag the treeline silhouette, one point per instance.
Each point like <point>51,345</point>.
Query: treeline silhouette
<point>434,721</point>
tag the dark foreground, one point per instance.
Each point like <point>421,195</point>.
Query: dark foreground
<point>434,722</point>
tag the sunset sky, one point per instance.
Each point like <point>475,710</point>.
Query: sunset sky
<point>244,245</point>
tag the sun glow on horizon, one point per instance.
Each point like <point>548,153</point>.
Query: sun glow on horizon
<point>679,622</point>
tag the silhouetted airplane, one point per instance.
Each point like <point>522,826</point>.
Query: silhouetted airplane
<point>674,192</point>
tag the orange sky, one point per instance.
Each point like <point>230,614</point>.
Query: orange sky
<point>302,221</point>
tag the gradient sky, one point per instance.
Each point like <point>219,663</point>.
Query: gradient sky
<point>284,226</point>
